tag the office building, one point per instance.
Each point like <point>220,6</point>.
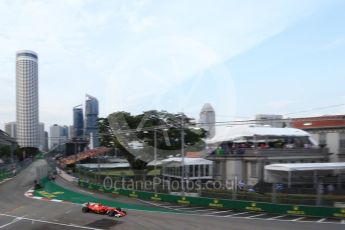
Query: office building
<point>27,99</point>
<point>57,135</point>
<point>328,131</point>
<point>207,120</point>
<point>11,129</point>
<point>91,120</point>
<point>42,138</point>
<point>46,138</point>
<point>78,122</point>
<point>275,121</point>
<point>70,132</point>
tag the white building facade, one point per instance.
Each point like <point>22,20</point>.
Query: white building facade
<point>27,99</point>
<point>57,135</point>
<point>207,120</point>
<point>11,129</point>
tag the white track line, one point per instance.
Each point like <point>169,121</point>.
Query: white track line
<point>179,206</point>
<point>4,180</point>
<point>199,210</point>
<point>262,214</point>
<point>192,209</point>
<point>189,208</point>
<point>276,217</point>
<point>299,218</point>
<point>13,221</point>
<point>236,214</point>
<point>50,222</point>
<point>220,212</point>
<point>321,220</point>
<point>157,205</point>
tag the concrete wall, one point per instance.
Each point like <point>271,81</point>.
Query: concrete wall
<point>332,140</point>
<point>234,168</point>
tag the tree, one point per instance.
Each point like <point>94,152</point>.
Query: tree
<point>105,136</point>
<point>121,129</point>
<point>5,151</point>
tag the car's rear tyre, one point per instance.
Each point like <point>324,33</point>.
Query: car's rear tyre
<point>85,209</point>
<point>111,213</point>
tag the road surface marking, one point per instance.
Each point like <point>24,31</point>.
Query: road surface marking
<point>321,220</point>
<point>4,180</point>
<point>262,214</point>
<point>176,206</point>
<point>85,192</point>
<point>276,217</point>
<point>198,210</point>
<point>237,214</point>
<point>157,205</point>
<point>299,218</point>
<point>18,218</point>
<point>47,222</point>
<point>15,209</point>
<point>220,212</point>
<point>191,208</point>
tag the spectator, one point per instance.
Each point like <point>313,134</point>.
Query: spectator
<point>241,185</point>
<point>330,189</point>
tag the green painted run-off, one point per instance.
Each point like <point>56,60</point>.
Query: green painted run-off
<point>51,190</point>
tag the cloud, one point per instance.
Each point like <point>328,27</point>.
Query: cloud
<point>185,42</point>
<point>280,104</point>
<point>339,42</point>
<point>136,53</point>
<point>59,32</point>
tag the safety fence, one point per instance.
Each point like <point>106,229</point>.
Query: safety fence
<point>9,171</point>
<point>5,174</point>
<point>299,210</point>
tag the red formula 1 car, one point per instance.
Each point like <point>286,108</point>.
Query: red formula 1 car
<point>101,209</point>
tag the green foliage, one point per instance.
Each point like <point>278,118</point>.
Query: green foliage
<point>105,138</point>
<point>122,128</point>
<point>5,151</point>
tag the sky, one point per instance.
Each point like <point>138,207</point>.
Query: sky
<point>243,57</point>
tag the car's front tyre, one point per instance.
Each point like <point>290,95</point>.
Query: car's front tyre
<point>85,209</point>
<point>111,213</point>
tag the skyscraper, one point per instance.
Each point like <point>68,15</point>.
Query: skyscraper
<point>208,120</point>
<point>41,136</point>
<point>27,98</point>
<point>58,135</point>
<point>70,132</point>
<point>46,138</point>
<point>269,119</point>
<point>78,122</point>
<point>91,117</point>
<point>11,129</point>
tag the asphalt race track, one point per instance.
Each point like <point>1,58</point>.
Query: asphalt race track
<point>20,212</point>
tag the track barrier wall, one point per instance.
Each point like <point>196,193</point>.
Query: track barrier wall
<point>283,209</point>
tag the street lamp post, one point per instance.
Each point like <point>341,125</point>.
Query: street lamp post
<point>155,158</point>
<point>183,156</point>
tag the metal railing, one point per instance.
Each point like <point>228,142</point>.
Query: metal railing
<point>271,152</point>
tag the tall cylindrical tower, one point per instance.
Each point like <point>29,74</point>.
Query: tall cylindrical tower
<point>27,98</point>
<point>208,120</point>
